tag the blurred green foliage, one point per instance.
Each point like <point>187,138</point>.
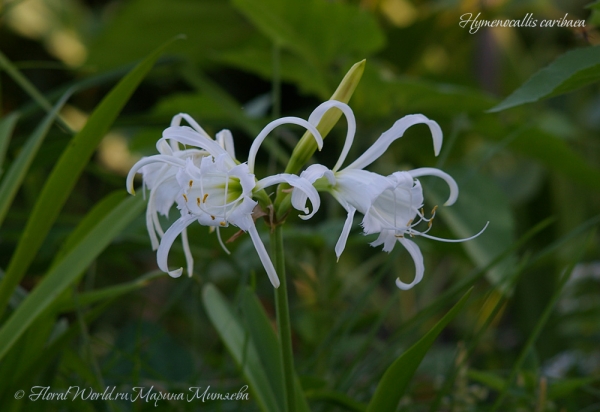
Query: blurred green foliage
<point>520,111</point>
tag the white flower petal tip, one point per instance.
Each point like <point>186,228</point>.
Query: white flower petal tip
<point>176,273</point>
<point>404,286</point>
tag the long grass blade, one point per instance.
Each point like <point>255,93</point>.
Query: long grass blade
<point>67,271</point>
<point>15,175</point>
<point>66,172</point>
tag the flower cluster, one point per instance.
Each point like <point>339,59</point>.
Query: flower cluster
<point>209,185</point>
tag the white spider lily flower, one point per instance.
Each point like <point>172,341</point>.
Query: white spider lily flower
<point>214,189</point>
<point>391,205</point>
<point>159,178</point>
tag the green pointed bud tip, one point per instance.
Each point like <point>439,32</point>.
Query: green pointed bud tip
<point>349,82</point>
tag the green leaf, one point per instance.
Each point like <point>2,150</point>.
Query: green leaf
<point>15,175</point>
<point>97,213</point>
<point>66,172</point>
<point>28,87</point>
<point>337,398</point>
<point>556,155</point>
<point>571,71</point>
<point>239,345</point>
<point>479,201</point>
<point>111,292</point>
<point>258,59</point>
<point>308,30</point>
<point>68,270</point>
<point>141,24</point>
<point>32,367</point>
<point>537,329</point>
<point>564,387</point>
<point>383,95</point>
<point>397,377</point>
<point>542,142</point>
<point>263,336</point>
<point>489,379</point>
<point>7,125</point>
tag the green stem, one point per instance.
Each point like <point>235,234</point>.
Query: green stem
<point>283,320</point>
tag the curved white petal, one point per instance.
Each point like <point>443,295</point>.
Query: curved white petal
<point>221,240</point>
<point>176,121</point>
<point>300,185</point>
<point>341,243</point>
<point>146,161</point>
<point>359,187</point>
<point>150,213</point>
<point>430,171</point>
<point>268,128</point>
<point>189,136</point>
<point>452,240</point>
<point>264,256</point>
<point>417,257</point>
<point>395,132</point>
<point>189,259</point>
<point>225,139</point>
<point>318,114</point>
<point>386,238</point>
<point>165,148</point>
<point>167,241</point>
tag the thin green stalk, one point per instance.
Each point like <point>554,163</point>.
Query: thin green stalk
<point>283,320</point>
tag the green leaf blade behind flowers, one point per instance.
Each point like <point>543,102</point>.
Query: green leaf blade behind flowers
<point>140,25</point>
<point>479,201</point>
<point>68,168</point>
<point>569,72</point>
<point>15,175</point>
<point>399,374</point>
<point>68,270</point>
<point>7,125</point>
<point>263,335</point>
<point>311,39</point>
<point>240,346</point>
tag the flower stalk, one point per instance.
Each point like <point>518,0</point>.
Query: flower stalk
<point>283,320</point>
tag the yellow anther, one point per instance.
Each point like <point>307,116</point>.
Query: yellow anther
<point>198,201</point>
<point>430,223</point>
<point>409,222</point>
<point>222,223</point>
<point>204,198</point>
<point>434,209</point>
<point>185,197</point>
<point>422,212</point>
<point>212,217</point>
<point>191,183</point>
<point>400,236</point>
